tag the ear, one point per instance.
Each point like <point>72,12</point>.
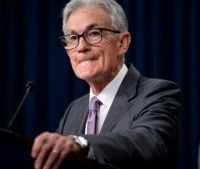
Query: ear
<point>124,42</point>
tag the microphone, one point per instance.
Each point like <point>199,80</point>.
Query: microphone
<point>28,87</point>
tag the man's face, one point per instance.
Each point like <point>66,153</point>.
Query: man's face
<point>99,63</point>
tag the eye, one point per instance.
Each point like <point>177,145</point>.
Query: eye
<point>93,33</point>
<point>71,38</point>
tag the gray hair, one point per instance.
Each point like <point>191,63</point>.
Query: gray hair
<point>117,16</point>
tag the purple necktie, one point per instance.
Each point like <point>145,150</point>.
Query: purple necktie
<point>92,115</point>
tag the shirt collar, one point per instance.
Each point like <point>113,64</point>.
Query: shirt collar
<point>107,95</point>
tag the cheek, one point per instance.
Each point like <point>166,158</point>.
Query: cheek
<point>111,56</point>
<point>72,60</point>
<point>74,64</point>
<point>72,57</point>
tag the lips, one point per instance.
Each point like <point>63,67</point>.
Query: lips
<point>86,59</point>
<point>86,62</point>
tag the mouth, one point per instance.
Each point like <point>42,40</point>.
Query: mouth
<point>85,58</point>
<point>86,62</point>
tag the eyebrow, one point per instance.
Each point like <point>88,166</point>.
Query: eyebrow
<point>93,25</point>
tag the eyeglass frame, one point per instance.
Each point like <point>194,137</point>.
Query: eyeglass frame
<point>63,38</point>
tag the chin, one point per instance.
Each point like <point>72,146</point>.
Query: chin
<point>86,77</point>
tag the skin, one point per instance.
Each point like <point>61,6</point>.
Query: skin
<point>97,65</point>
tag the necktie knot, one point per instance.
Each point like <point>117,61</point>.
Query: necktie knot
<point>94,104</point>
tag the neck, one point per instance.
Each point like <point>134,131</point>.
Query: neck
<point>98,85</point>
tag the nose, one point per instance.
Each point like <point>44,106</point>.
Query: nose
<point>82,45</point>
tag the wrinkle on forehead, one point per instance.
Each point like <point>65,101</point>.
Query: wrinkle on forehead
<point>87,17</point>
<point>89,27</point>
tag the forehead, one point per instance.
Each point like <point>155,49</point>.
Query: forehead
<point>85,16</point>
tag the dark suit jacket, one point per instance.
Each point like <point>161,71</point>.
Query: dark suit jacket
<point>141,128</point>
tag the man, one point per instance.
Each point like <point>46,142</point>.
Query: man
<point>137,117</point>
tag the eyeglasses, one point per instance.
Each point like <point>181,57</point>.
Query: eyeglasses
<point>92,37</point>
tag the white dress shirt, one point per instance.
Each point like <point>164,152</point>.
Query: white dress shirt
<point>107,95</point>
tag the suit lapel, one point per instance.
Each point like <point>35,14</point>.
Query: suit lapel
<point>83,109</point>
<point>82,122</point>
<point>75,122</point>
<point>121,103</point>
